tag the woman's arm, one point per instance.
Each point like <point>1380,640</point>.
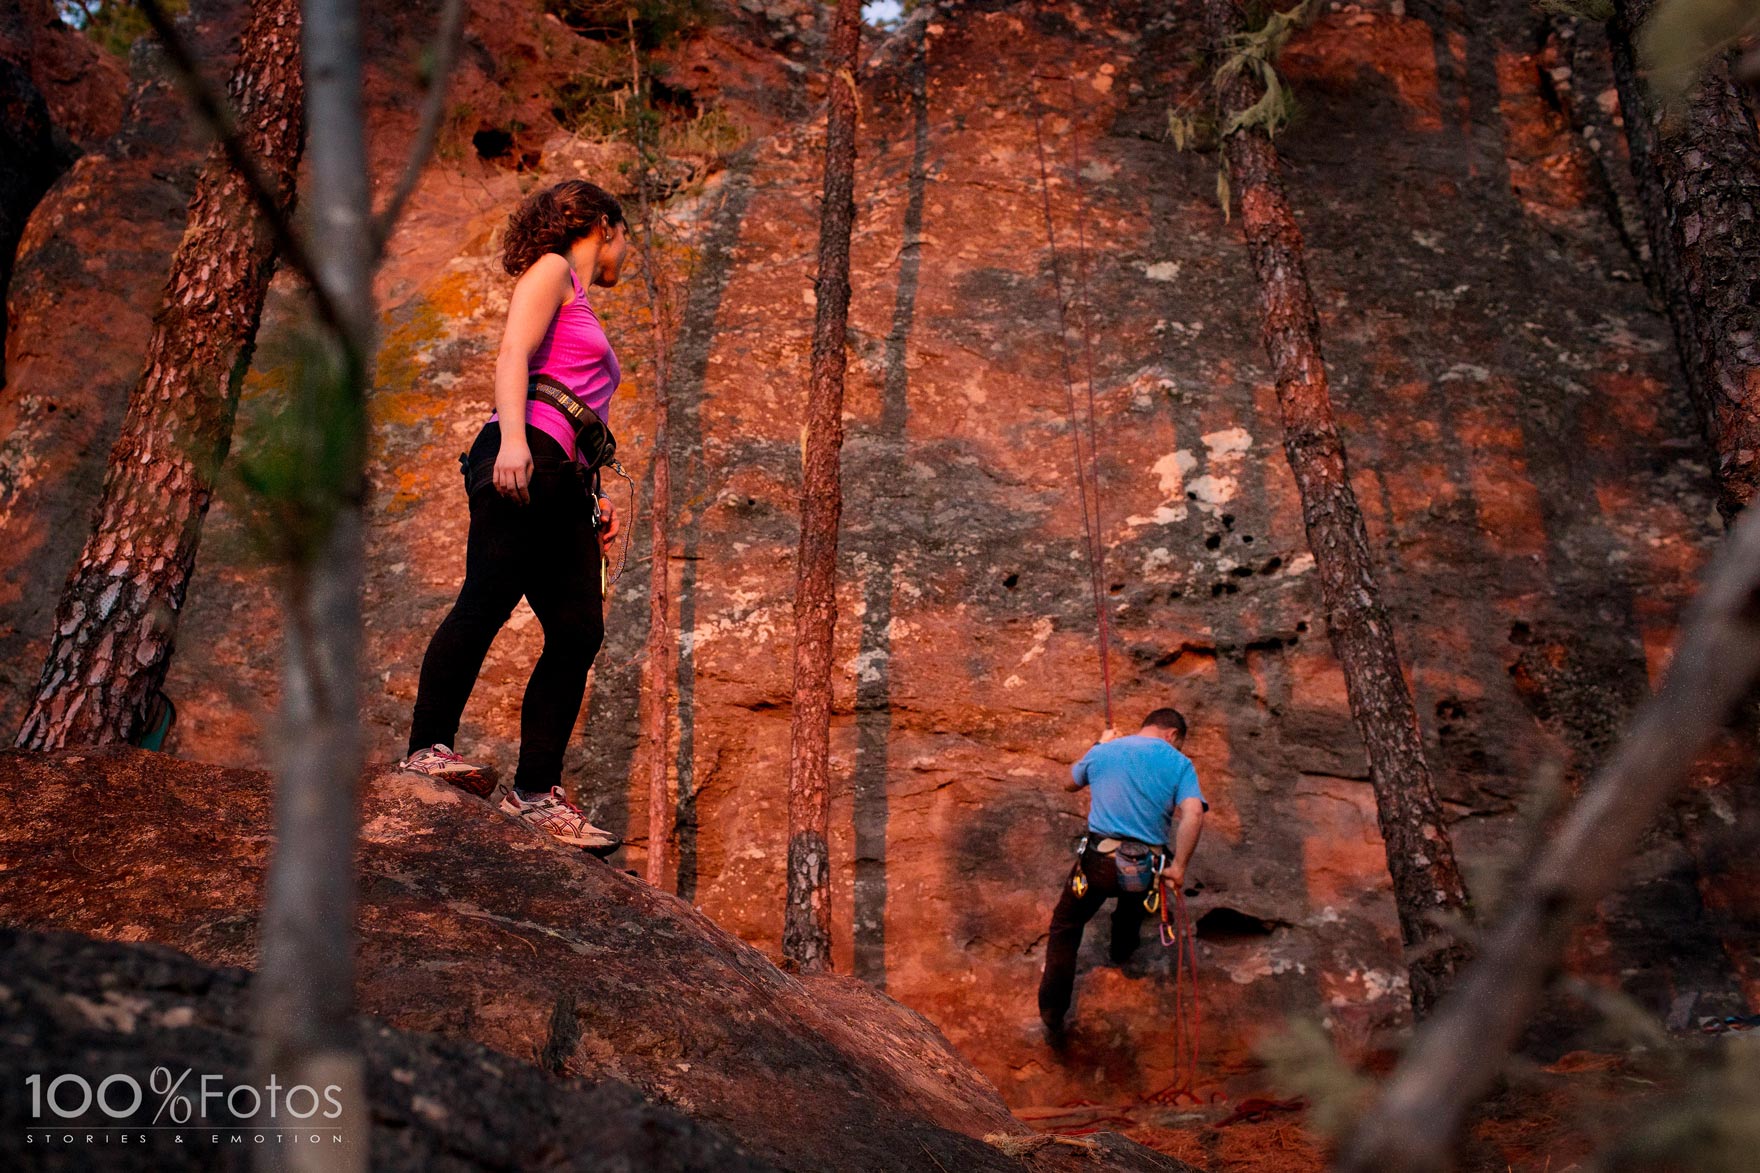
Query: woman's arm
<point>536,297</point>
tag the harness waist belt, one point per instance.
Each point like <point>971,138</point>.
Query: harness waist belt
<point>593,441</point>
<point>1108,844</point>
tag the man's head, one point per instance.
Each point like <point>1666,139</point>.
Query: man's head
<point>1167,724</point>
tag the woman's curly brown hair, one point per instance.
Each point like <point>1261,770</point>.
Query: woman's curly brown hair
<point>552,218</point>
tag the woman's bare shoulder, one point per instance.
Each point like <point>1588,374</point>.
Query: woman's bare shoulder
<point>548,274</point>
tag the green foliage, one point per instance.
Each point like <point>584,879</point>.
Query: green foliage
<point>1302,1062</point>
<point>301,458</point>
<point>1190,129</point>
<point>114,24</point>
<point>1254,52</point>
<point>1681,35</point>
<point>1711,1125</point>
<point>713,132</point>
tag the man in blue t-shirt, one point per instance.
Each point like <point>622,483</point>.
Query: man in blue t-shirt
<point>1136,784</point>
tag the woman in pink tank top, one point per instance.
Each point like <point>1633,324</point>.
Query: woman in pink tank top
<point>532,530</point>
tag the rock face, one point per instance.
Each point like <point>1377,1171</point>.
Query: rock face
<point>472,926</point>
<point>70,1005</point>
<point>1533,478</point>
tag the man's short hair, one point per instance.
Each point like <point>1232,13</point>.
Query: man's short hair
<point>1167,719</point>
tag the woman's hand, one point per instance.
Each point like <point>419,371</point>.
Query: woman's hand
<point>608,523</point>
<point>513,469</point>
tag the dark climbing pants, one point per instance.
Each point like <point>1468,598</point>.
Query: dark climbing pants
<point>548,552</point>
<point>1072,914</point>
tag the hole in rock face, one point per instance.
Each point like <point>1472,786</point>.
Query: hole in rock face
<point>1213,541</point>
<point>1231,926</point>
<point>492,142</point>
<point>1012,581</point>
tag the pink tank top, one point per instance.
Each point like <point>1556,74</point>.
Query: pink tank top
<point>576,351</point>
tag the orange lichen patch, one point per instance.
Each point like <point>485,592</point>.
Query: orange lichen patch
<point>407,487</point>
<point>1316,680</point>
<point>1617,500</point>
<point>1342,854</point>
<point>1546,169</point>
<point>1659,641</point>
<point>1338,46</point>
<point>1626,406</point>
<point>1509,504</point>
<point>1463,102</point>
<point>455,295</point>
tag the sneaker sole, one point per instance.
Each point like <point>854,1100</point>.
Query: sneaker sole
<point>599,849</point>
<point>484,785</point>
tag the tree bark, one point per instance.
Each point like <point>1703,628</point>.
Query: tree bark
<point>117,618</point>
<point>806,933</point>
<point>1420,856</point>
<point>1698,178</point>
<point>657,695</point>
<point>305,985</point>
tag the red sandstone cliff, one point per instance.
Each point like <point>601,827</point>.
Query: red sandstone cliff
<point>1535,488</point>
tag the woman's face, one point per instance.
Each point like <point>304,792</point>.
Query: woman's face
<point>611,254</point>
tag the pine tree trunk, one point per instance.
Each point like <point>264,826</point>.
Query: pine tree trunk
<point>806,933</point>
<point>1420,856</point>
<point>657,694</point>
<point>1698,178</point>
<point>305,985</point>
<point>117,618</point>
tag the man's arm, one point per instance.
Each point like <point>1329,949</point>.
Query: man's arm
<point>1191,825</point>
<point>1078,773</point>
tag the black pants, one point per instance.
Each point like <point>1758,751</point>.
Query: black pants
<point>547,551</point>
<point>1072,915</point>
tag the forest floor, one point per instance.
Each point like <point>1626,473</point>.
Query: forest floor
<point>1552,1120</point>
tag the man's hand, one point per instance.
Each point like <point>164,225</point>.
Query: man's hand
<point>608,523</point>
<point>1108,735</point>
<point>1174,874</point>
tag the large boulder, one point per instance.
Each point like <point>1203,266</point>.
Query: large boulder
<point>475,927</point>
<point>97,1010</point>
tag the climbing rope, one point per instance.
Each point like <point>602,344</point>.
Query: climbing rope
<point>1087,465</point>
<point>1177,934</point>
<point>1176,926</point>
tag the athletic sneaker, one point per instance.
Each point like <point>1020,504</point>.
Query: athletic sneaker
<point>440,763</point>
<point>561,818</point>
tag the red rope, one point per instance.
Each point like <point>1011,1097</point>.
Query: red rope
<point>1177,934</point>
<point>1105,620</point>
<point>1087,467</point>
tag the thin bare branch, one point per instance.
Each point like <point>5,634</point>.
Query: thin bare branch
<point>446,45</point>
<point>217,116</point>
<point>1457,1055</point>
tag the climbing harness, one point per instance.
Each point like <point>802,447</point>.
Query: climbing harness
<point>595,449</point>
<point>1088,463</point>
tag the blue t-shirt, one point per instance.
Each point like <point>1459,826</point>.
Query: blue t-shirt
<point>1135,784</point>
